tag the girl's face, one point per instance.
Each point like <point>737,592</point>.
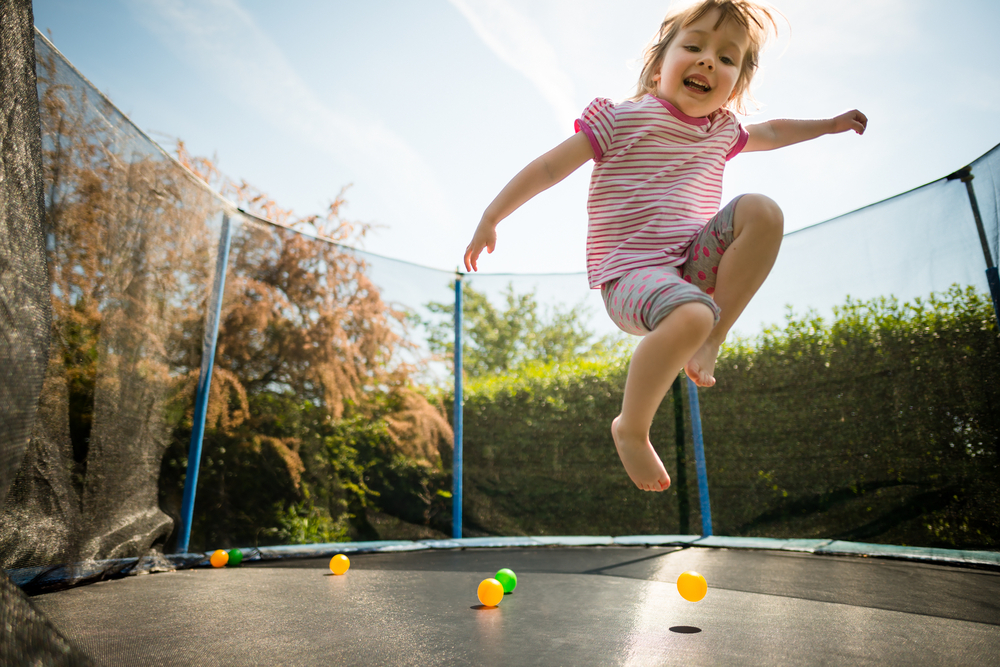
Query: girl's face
<point>701,65</point>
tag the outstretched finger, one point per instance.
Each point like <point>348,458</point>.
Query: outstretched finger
<point>471,255</point>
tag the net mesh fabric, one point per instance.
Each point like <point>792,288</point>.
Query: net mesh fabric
<point>986,180</point>
<point>26,636</point>
<point>908,246</point>
<point>881,427</point>
<point>132,238</point>
<point>25,314</point>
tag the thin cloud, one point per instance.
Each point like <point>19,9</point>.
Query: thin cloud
<point>219,38</point>
<point>521,44</point>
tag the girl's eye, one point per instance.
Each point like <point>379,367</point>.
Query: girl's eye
<point>693,49</point>
<point>727,60</point>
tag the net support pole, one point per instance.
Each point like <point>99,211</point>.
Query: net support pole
<point>683,500</point>
<point>699,459</point>
<point>456,466</point>
<point>992,276</point>
<point>204,384</point>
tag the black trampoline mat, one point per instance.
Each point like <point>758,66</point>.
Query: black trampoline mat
<point>572,606</point>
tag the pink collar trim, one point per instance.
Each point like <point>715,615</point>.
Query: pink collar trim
<point>680,115</point>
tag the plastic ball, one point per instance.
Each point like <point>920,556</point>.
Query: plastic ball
<point>490,592</point>
<point>235,557</point>
<point>219,558</point>
<point>692,586</point>
<point>339,564</point>
<point>507,579</point>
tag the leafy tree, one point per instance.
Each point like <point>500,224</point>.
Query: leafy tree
<point>500,340</point>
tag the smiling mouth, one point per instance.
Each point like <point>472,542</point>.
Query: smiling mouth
<point>696,85</point>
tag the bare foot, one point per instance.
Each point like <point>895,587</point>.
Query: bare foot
<point>640,460</point>
<point>701,368</point>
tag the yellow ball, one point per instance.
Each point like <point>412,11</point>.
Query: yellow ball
<point>339,564</point>
<point>692,586</point>
<point>219,558</point>
<point>490,592</point>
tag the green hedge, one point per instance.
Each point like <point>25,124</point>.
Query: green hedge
<point>882,425</point>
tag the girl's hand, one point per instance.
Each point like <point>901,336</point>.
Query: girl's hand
<point>852,120</point>
<point>485,237</point>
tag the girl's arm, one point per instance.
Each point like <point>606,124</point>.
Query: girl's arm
<point>541,174</point>
<point>778,133</point>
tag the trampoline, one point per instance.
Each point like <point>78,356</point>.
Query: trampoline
<point>116,316</point>
<point>580,605</point>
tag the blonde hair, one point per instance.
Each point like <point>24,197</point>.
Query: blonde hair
<point>756,18</point>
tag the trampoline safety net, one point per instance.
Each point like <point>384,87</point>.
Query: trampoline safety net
<point>860,400</point>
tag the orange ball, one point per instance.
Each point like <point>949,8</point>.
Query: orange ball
<point>339,564</point>
<point>490,592</point>
<point>219,558</point>
<point>692,586</point>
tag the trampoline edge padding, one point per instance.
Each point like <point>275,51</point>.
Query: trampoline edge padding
<point>39,579</point>
<point>816,546</point>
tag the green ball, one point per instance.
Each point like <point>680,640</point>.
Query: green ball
<point>235,558</point>
<point>507,579</point>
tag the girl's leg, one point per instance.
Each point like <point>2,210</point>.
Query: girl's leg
<point>758,225</point>
<point>654,365</point>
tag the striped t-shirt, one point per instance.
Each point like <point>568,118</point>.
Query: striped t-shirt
<point>657,180</point>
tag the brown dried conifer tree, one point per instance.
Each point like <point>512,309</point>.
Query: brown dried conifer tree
<point>131,257</point>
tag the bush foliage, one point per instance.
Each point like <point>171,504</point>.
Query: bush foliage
<point>881,425</point>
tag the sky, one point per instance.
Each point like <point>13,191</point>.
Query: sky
<point>427,108</point>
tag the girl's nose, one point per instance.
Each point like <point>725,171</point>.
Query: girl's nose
<point>707,63</point>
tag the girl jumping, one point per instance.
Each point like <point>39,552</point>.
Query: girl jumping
<point>670,265</point>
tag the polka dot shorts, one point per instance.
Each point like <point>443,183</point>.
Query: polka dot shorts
<point>638,300</point>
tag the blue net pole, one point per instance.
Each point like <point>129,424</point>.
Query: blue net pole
<point>456,499</point>
<point>992,278</point>
<point>204,384</point>
<point>699,459</point>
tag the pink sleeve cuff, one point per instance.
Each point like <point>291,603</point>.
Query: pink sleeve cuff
<point>581,126</point>
<point>741,142</point>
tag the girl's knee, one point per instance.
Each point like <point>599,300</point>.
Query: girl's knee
<point>696,316</point>
<point>761,212</point>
